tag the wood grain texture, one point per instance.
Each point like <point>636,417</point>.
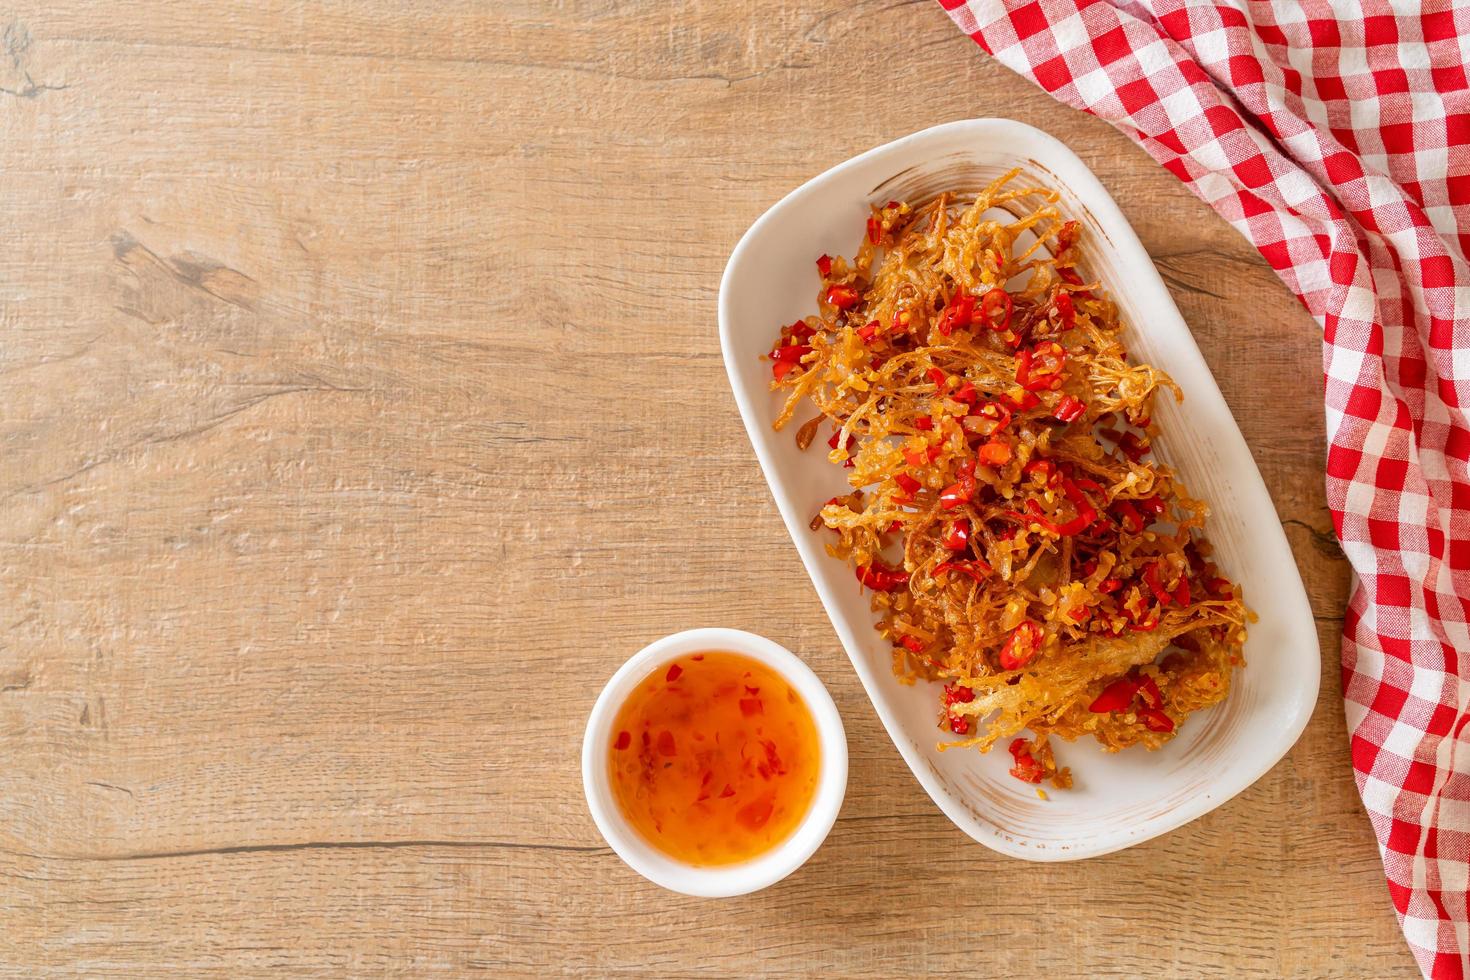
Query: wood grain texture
<point>361,409</point>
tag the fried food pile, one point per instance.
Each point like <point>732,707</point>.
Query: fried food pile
<point>1021,545</point>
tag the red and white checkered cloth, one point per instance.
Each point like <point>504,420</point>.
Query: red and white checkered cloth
<point>1336,137</point>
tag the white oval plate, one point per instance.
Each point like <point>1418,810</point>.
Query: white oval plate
<point>1119,799</point>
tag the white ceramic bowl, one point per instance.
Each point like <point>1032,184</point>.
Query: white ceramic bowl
<point>1120,799</point>
<point>724,880</point>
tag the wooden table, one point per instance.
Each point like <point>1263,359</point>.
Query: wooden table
<point>361,409</point>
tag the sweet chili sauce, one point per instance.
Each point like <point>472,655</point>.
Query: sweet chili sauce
<point>714,758</point>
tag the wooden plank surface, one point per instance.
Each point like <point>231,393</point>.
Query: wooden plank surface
<point>361,409</point>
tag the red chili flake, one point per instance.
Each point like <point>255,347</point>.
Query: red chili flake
<point>1115,697</point>
<point>1069,409</point>
<point>624,740</point>
<point>912,644</point>
<point>842,296</point>
<point>875,229</point>
<point>1155,720</point>
<point>782,368</point>
<point>673,673</point>
<point>1148,689</point>
<point>908,484</point>
<point>894,526</point>
<point>959,725</point>
<point>966,394</point>
<point>1110,585</point>
<point>1181,591</point>
<point>937,376</point>
<point>867,333</point>
<point>666,743</point>
<point>1153,505</point>
<point>824,265</point>
<point>956,534</point>
<point>772,758</point>
<point>755,814</point>
<point>925,423</point>
<point>752,706</point>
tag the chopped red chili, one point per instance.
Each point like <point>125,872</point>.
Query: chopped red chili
<point>842,296</point>
<point>1115,697</point>
<point>995,310</point>
<point>1069,409</point>
<point>924,422</point>
<point>912,643</point>
<point>1039,368</point>
<point>1021,646</point>
<point>1128,515</point>
<point>959,725</point>
<point>1154,580</point>
<point>1026,769</point>
<point>1050,475</point>
<point>623,741</point>
<point>957,694</point>
<point>794,353</point>
<point>1062,311</point>
<point>875,229</point>
<point>908,484</point>
<point>1019,400</point>
<point>880,578</point>
<point>996,452</point>
<point>957,314</point>
<point>1134,447</point>
<point>869,330</point>
<point>1220,588</point>
<point>1155,720</point>
<point>1086,513</point>
<point>976,568</point>
<point>824,265</point>
<point>1148,689</point>
<point>673,673</point>
<point>957,534</point>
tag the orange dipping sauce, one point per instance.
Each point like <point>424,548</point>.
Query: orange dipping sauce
<point>714,758</point>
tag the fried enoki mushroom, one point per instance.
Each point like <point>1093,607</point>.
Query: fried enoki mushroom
<point>1022,546</point>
